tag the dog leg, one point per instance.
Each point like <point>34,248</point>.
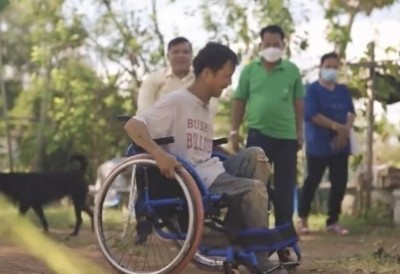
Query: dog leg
<point>39,212</point>
<point>23,208</point>
<point>86,208</point>
<point>78,217</point>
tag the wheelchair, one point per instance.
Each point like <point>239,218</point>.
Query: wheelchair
<point>161,225</point>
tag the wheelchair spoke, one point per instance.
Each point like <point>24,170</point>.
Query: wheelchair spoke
<point>142,239</point>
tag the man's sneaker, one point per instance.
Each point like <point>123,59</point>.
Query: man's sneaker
<point>337,229</point>
<point>303,226</point>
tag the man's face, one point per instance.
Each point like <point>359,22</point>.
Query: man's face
<point>221,79</point>
<point>272,40</point>
<point>180,57</point>
<point>331,63</point>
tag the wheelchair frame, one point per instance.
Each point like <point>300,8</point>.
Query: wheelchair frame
<point>275,238</point>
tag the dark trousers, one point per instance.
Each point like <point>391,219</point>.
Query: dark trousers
<point>338,173</point>
<point>282,153</point>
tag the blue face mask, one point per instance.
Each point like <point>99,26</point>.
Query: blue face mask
<point>329,75</point>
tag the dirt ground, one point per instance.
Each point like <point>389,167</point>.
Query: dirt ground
<point>322,252</point>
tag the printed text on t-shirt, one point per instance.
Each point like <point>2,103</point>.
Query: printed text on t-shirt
<point>197,136</point>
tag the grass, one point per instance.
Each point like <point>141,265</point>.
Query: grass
<point>369,264</point>
<point>372,233</point>
<point>362,264</point>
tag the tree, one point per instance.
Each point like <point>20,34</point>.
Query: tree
<point>340,33</point>
<point>66,96</point>
<point>134,41</point>
<point>3,5</point>
<point>238,22</point>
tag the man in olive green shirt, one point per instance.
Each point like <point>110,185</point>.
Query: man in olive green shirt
<point>271,91</point>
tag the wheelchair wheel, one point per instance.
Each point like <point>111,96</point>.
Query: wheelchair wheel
<point>211,263</point>
<point>139,235</point>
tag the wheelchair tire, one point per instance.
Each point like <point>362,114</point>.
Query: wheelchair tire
<point>210,264</point>
<point>195,223</point>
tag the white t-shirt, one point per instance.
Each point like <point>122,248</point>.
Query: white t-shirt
<point>185,117</point>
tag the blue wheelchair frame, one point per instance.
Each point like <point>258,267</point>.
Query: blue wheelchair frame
<point>231,254</point>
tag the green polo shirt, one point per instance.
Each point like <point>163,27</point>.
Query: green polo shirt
<point>270,97</point>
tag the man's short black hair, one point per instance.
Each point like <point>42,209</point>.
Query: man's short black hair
<point>328,56</point>
<point>272,29</point>
<point>177,41</point>
<point>213,56</point>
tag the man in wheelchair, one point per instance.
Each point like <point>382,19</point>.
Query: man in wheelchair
<point>185,115</point>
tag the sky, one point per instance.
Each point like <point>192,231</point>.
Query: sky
<point>381,26</point>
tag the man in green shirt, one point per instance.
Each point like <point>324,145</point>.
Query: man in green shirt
<point>271,93</point>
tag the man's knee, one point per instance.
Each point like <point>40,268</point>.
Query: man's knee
<point>256,153</point>
<point>260,163</point>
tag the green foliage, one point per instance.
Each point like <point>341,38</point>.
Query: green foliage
<point>341,16</point>
<point>62,96</point>
<point>81,107</point>
<point>4,4</point>
<point>240,21</point>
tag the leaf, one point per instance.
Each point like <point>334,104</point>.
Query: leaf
<point>304,44</point>
<point>4,4</point>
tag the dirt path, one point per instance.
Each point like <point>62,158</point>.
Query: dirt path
<point>322,253</point>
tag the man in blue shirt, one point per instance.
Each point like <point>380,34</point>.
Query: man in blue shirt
<point>329,116</point>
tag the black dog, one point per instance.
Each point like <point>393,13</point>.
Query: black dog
<point>38,189</point>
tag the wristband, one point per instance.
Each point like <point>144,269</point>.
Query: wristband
<point>233,132</point>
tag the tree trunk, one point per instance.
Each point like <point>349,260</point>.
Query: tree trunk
<point>40,141</point>
<point>370,129</point>
<point>343,46</point>
<point>5,108</point>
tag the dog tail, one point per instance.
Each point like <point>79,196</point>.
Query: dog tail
<point>79,163</point>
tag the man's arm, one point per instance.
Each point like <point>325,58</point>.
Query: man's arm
<point>298,104</point>
<point>240,96</point>
<point>323,121</point>
<point>350,120</point>
<point>139,133</point>
<point>238,109</point>
<point>147,94</point>
<point>299,112</point>
<point>352,112</point>
<point>156,122</point>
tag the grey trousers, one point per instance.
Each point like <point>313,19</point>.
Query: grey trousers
<point>243,187</point>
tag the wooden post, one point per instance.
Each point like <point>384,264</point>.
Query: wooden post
<point>5,106</point>
<point>370,129</point>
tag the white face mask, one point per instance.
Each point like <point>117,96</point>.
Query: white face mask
<point>271,54</point>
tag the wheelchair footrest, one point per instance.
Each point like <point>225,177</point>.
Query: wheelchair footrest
<point>272,269</point>
<point>290,265</point>
<point>264,239</point>
<point>286,266</point>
